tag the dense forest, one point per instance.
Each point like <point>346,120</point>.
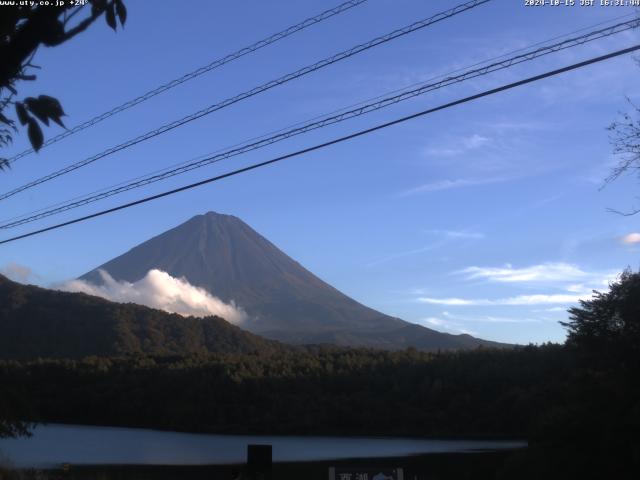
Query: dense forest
<point>318,391</point>
<point>578,404</point>
<point>41,323</point>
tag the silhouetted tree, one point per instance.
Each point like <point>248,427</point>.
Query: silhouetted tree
<point>24,28</point>
<point>625,139</point>
<point>608,325</point>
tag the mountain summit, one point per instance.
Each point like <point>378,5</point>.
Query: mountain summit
<point>284,301</point>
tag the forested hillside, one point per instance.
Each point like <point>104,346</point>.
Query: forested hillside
<point>578,404</point>
<point>41,323</point>
<point>324,390</point>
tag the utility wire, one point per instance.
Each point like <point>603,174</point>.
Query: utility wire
<point>250,93</point>
<point>331,142</point>
<point>361,110</point>
<point>342,109</point>
<point>196,73</point>
<point>90,197</point>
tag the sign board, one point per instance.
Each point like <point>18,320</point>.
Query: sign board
<point>259,456</point>
<point>365,473</point>
<point>259,462</point>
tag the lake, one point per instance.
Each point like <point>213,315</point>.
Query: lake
<point>52,445</point>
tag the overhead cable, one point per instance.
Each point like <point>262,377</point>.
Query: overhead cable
<point>329,143</point>
<point>359,111</point>
<point>250,93</point>
<point>196,73</point>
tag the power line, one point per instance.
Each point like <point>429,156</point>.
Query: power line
<point>331,142</point>
<point>362,110</point>
<point>256,90</point>
<point>196,73</point>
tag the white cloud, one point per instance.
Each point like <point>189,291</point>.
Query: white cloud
<point>436,322</point>
<point>569,277</point>
<point>631,238</point>
<point>451,301</point>
<point>458,234</point>
<point>407,253</point>
<point>489,319</point>
<point>160,290</point>
<point>447,236</point>
<point>459,146</point>
<point>576,288</point>
<point>442,324</point>
<point>475,141</point>
<point>451,184</point>
<point>545,272</point>
<point>536,299</point>
<point>574,284</point>
<point>552,310</point>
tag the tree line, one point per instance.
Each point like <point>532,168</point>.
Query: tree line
<point>578,404</point>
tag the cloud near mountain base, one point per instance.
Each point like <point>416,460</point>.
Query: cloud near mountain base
<point>160,290</point>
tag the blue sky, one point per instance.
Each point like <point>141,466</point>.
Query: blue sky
<point>485,218</point>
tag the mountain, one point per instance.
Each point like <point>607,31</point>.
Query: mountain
<point>41,323</point>
<point>226,257</point>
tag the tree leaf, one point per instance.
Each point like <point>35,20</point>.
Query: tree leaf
<point>38,109</point>
<point>58,121</point>
<point>121,10</point>
<point>23,116</point>
<point>35,134</point>
<point>51,106</point>
<point>97,7</point>
<point>110,15</point>
<point>51,31</point>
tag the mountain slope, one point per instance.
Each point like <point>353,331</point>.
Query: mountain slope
<point>225,256</point>
<point>40,323</point>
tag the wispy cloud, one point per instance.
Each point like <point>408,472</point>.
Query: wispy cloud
<point>456,323</point>
<point>489,318</point>
<point>447,325</point>
<point>458,146</point>
<point>597,173</point>
<point>569,277</point>
<point>406,253</point>
<point>452,184</point>
<point>568,284</point>
<point>545,272</point>
<point>446,237</point>
<point>17,272</point>
<point>536,299</point>
<point>551,310</point>
<point>458,234</point>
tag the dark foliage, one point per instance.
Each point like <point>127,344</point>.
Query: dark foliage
<point>37,322</point>
<point>578,404</point>
<point>23,29</point>
<point>606,329</point>
<point>13,411</point>
<point>592,427</point>
<point>312,391</point>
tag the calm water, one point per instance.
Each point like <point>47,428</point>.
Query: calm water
<point>52,445</point>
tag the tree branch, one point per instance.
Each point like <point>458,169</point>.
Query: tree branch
<point>81,27</point>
